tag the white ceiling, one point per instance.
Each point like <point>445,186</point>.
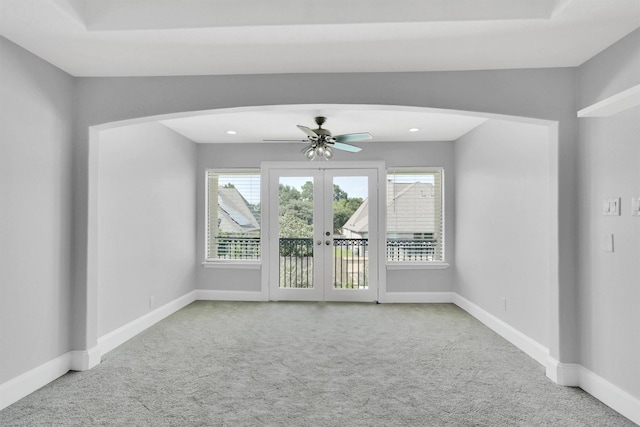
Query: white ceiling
<point>386,124</point>
<point>205,37</point>
<point>198,37</point>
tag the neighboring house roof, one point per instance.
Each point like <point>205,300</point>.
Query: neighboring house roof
<point>410,209</point>
<point>359,221</point>
<point>234,213</point>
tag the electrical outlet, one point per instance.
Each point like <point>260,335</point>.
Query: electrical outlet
<point>152,301</point>
<point>608,243</point>
<point>504,304</point>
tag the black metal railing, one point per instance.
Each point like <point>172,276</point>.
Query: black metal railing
<point>350,263</point>
<point>350,257</point>
<point>296,262</point>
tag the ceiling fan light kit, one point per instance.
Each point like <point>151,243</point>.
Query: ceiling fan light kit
<point>323,143</point>
<point>318,150</point>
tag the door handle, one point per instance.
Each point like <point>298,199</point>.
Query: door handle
<point>328,242</point>
<point>319,242</point>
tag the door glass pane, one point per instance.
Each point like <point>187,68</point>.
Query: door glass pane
<point>350,232</point>
<point>295,232</point>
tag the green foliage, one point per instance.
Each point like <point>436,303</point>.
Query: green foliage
<point>343,209</point>
<point>296,209</point>
<point>307,191</point>
<point>287,194</point>
<point>292,226</point>
<point>302,209</point>
<point>339,193</point>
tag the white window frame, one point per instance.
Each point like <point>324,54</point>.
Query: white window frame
<point>220,262</point>
<point>422,265</point>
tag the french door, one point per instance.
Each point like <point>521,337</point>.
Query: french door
<point>323,234</point>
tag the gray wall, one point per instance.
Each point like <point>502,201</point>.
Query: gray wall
<point>610,72</point>
<point>36,117</point>
<point>547,94</point>
<point>146,224</point>
<point>609,167</point>
<point>544,94</point>
<point>37,251</point>
<point>211,156</point>
<point>503,223</point>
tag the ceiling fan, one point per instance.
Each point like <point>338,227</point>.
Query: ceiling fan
<point>322,143</point>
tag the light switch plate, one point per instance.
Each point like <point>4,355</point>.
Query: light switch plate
<point>611,207</point>
<point>608,243</point>
<point>635,206</point>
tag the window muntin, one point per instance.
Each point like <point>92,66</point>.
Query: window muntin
<point>415,225</point>
<point>233,215</point>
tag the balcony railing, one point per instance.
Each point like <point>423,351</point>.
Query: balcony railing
<point>350,263</point>
<point>411,249</point>
<point>350,257</point>
<point>237,247</point>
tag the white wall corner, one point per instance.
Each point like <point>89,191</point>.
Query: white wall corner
<point>25,384</point>
<point>565,374</point>
<point>416,297</point>
<point>213,295</point>
<point>83,360</point>
<point>528,345</point>
<point>113,339</point>
<point>575,375</point>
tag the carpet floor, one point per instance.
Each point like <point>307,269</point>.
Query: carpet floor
<point>313,364</point>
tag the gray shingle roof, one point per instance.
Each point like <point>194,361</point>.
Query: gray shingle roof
<point>410,209</point>
<point>234,213</point>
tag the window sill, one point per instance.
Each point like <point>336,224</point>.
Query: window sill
<point>417,266</point>
<point>246,265</point>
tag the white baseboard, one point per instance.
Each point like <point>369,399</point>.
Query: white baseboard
<point>82,360</point>
<point>531,347</point>
<point>113,339</point>
<point>609,394</point>
<point>85,359</point>
<point>575,375</point>
<point>25,384</point>
<point>213,295</point>
<point>416,297</point>
<point>566,374</point>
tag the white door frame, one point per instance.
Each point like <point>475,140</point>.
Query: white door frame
<point>267,200</point>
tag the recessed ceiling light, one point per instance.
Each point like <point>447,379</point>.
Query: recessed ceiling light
<point>414,130</point>
<point>231,132</point>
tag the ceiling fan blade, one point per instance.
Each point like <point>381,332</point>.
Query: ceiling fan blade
<point>346,147</point>
<point>351,137</point>
<point>285,140</point>
<point>310,133</point>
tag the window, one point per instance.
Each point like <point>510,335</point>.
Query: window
<point>415,226</point>
<point>233,215</point>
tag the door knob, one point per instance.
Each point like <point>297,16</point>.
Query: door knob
<point>319,242</point>
<point>328,242</point>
